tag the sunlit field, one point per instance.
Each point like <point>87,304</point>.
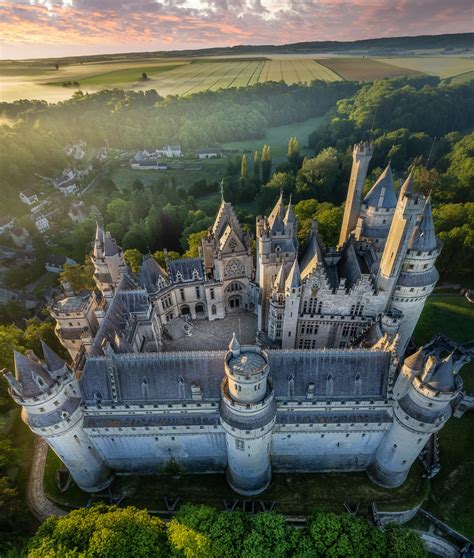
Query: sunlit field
<point>185,76</point>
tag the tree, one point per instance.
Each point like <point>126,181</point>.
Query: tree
<point>102,531</point>
<point>328,216</point>
<point>194,242</point>
<point>294,154</point>
<point>243,167</point>
<point>159,256</point>
<point>269,537</point>
<point>133,258</point>
<point>257,166</point>
<point>318,176</point>
<point>79,277</point>
<point>266,163</point>
<point>144,76</point>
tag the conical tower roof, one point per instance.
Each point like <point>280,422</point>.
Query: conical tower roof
<point>312,254</point>
<point>31,375</point>
<point>424,237</point>
<point>275,219</point>
<point>290,216</point>
<point>382,193</point>
<point>234,345</point>
<point>407,187</point>
<point>53,361</point>
<point>416,360</point>
<point>279,283</point>
<point>293,280</point>
<point>443,378</point>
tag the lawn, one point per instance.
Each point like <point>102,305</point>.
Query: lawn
<point>212,171</point>
<point>124,77</point>
<point>452,490</point>
<point>277,138</point>
<point>365,69</point>
<point>295,494</point>
<point>463,78</point>
<point>442,66</point>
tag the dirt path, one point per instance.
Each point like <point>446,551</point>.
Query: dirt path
<point>39,505</point>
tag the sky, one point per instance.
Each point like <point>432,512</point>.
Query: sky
<point>54,28</point>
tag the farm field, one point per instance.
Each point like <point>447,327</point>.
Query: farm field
<point>365,69</point>
<point>441,66</point>
<point>184,76</point>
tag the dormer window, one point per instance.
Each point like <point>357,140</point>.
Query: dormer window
<point>179,276</point>
<point>195,274</point>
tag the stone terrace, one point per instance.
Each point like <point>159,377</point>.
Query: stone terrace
<point>216,335</point>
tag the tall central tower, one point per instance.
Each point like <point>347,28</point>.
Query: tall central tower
<point>361,156</point>
<point>247,412</point>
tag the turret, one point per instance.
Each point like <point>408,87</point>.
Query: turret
<point>108,262</point>
<point>361,156</point>
<point>409,207</point>
<point>291,311</point>
<point>247,413</point>
<point>376,214</point>
<point>51,401</point>
<point>418,275</point>
<point>424,392</point>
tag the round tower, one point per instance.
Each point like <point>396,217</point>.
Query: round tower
<point>247,412</point>
<point>423,394</point>
<point>418,276</point>
<point>50,398</point>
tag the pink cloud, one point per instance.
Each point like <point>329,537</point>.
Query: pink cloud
<point>39,27</point>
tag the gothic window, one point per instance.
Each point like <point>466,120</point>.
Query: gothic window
<point>277,248</point>
<point>213,309</point>
<point>213,294</point>
<point>182,294</point>
<point>234,268</point>
<point>145,392</point>
<point>198,292</point>
<point>358,385</point>
<point>291,385</point>
<point>181,387</point>
<point>232,244</point>
<point>329,385</point>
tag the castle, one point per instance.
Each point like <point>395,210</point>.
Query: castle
<point>321,384</point>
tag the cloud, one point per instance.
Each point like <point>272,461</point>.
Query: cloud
<point>35,26</point>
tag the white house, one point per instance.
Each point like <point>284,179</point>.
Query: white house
<point>170,151</point>
<point>6,224</point>
<point>42,223</point>
<point>209,153</point>
<point>77,212</point>
<point>29,198</point>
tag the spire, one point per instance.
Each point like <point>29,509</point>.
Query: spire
<point>407,187</point>
<point>289,215</point>
<point>313,254</point>
<point>443,377</point>
<point>293,280</point>
<point>382,193</point>
<point>424,237</point>
<point>98,241</point>
<point>221,185</point>
<point>275,219</point>
<point>279,284</point>
<point>415,361</point>
<point>32,377</point>
<point>234,346</point>
<point>53,361</point>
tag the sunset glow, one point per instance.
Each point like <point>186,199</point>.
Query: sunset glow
<point>37,28</point>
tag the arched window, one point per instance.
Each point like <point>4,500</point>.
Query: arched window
<point>291,385</point>
<point>329,385</point>
<point>213,310</point>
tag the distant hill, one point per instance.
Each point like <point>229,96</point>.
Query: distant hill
<point>448,43</point>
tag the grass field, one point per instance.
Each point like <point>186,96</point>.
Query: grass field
<point>441,66</point>
<point>184,76</point>
<point>463,78</point>
<point>365,69</point>
<point>277,138</point>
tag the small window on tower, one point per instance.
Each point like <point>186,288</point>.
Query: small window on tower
<point>240,445</point>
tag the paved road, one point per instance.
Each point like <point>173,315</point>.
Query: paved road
<point>39,505</point>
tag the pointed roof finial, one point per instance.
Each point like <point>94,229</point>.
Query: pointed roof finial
<point>234,346</point>
<point>407,185</point>
<point>221,184</point>
<point>53,361</point>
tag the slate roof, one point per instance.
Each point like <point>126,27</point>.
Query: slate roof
<point>53,361</point>
<point>32,376</point>
<point>382,193</point>
<point>150,273</point>
<point>312,254</point>
<point>423,279</point>
<point>186,267</point>
<point>424,237</point>
<point>163,372</point>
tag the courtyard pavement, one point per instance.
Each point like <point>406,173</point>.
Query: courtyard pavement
<point>216,335</point>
